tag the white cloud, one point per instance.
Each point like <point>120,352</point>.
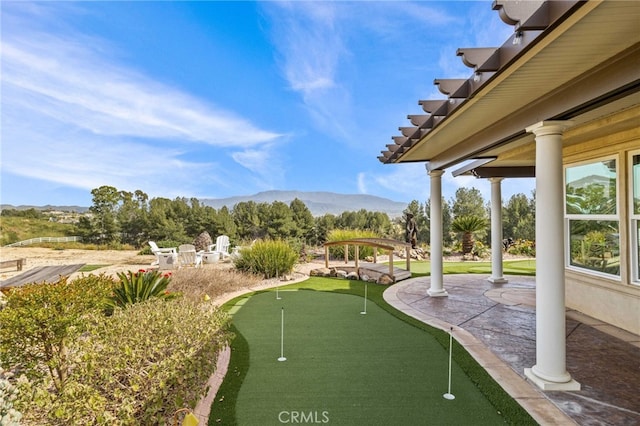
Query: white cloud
<point>309,44</point>
<point>327,55</point>
<point>52,151</point>
<point>362,183</point>
<point>72,84</point>
<point>403,181</point>
<point>75,115</point>
<point>264,164</point>
<point>410,181</point>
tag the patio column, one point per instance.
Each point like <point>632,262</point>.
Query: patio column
<point>496,231</point>
<point>550,372</point>
<point>437,289</point>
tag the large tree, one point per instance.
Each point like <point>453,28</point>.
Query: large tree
<point>518,218</point>
<point>322,227</point>
<point>303,220</point>
<point>133,217</point>
<point>279,221</point>
<point>468,202</point>
<point>104,210</point>
<point>246,216</point>
<point>164,225</point>
<point>225,224</point>
<point>447,218</point>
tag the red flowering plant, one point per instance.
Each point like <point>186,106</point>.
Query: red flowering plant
<point>135,287</point>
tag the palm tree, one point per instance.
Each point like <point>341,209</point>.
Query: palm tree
<point>468,225</point>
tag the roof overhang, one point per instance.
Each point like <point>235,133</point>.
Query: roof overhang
<point>582,66</point>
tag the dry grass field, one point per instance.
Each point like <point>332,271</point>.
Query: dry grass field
<point>112,261</point>
<point>216,280</point>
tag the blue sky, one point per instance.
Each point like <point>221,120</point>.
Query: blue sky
<point>217,99</point>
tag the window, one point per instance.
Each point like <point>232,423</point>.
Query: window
<point>592,214</point>
<point>635,217</point>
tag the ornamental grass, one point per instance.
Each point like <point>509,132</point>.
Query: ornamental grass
<point>198,283</point>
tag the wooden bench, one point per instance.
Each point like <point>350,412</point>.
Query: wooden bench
<point>17,263</point>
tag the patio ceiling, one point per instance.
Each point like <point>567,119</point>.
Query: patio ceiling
<point>574,60</point>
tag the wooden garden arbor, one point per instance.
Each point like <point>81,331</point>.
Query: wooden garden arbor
<point>378,243</point>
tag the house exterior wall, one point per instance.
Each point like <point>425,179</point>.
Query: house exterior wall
<point>611,298</point>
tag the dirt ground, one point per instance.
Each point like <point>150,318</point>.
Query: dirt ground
<point>113,261</point>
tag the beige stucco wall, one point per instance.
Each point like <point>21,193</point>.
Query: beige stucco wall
<point>606,300</point>
<point>615,301</point>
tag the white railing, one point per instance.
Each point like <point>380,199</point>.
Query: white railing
<point>44,240</point>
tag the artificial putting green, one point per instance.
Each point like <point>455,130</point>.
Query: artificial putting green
<point>346,368</point>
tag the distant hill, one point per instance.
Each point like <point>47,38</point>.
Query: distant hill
<point>48,207</point>
<point>319,203</point>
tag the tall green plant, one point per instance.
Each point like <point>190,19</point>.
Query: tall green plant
<point>139,286</point>
<point>467,226</point>
<point>337,252</point>
<point>269,258</point>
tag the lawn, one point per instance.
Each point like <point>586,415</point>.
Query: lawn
<point>509,267</point>
<point>344,367</point>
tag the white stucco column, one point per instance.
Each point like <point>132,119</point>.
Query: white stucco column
<point>496,232</point>
<point>437,288</point>
<point>550,372</point>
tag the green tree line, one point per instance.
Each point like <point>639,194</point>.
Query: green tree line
<point>518,216</point>
<point>133,218</point>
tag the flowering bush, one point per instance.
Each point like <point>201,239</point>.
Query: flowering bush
<point>523,248</point>
<point>137,287</point>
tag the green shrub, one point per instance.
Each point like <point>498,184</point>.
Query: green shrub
<point>523,248</point>
<point>137,287</point>
<point>137,366</point>
<point>8,394</point>
<point>268,258</point>
<point>299,246</point>
<point>480,250</point>
<point>39,322</point>
<point>337,252</point>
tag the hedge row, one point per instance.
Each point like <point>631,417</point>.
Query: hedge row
<point>77,365</point>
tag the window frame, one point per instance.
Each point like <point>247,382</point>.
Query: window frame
<point>592,217</point>
<point>634,223</point>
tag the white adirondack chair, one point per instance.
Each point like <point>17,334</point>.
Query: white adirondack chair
<point>159,251</point>
<point>221,246</point>
<point>188,256</point>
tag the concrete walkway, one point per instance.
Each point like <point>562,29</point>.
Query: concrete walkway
<point>496,324</point>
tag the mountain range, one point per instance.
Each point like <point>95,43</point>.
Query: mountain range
<point>319,203</point>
